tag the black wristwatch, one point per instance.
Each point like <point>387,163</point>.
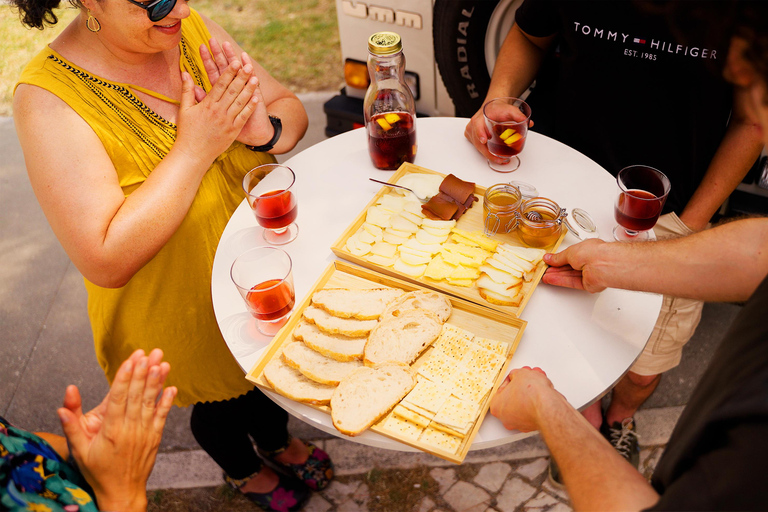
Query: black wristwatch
<point>278,126</point>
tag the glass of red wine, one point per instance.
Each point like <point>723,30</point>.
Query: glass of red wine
<point>506,120</point>
<point>264,279</point>
<point>641,196</point>
<point>268,190</point>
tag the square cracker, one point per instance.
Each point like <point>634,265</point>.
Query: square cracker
<point>457,413</point>
<point>452,345</point>
<point>418,410</point>
<point>472,385</point>
<point>483,360</point>
<point>500,347</point>
<point>438,367</point>
<point>452,331</point>
<point>460,433</point>
<point>413,417</point>
<point>401,428</point>
<point>427,395</point>
<point>440,440</point>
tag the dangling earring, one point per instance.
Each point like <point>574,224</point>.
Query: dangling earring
<point>92,23</point>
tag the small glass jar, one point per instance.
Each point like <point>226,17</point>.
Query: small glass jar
<point>541,222</point>
<point>501,208</point>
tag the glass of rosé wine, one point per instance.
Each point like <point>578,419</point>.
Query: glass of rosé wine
<point>268,190</point>
<point>264,278</point>
<point>506,120</point>
<point>642,192</point>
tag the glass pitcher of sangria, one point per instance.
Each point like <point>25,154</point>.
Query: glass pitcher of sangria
<point>389,108</point>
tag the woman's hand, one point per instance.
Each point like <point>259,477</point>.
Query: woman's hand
<point>257,130</point>
<point>208,127</point>
<point>115,444</point>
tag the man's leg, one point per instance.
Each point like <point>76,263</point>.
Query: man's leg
<point>628,395</point>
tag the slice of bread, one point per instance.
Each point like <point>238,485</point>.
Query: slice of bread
<point>361,304</point>
<point>326,322</point>
<point>335,346</point>
<point>292,384</point>
<point>368,394</point>
<point>316,366</point>
<point>431,301</point>
<point>402,338</point>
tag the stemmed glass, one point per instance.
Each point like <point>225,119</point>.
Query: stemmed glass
<point>506,119</point>
<point>642,192</point>
<point>268,190</point>
<point>264,278</point>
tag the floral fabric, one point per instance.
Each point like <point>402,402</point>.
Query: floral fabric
<point>34,478</point>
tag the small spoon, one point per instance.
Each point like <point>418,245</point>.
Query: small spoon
<point>421,198</point>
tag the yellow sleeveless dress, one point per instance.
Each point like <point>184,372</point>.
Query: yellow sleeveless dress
<point>167,304</point>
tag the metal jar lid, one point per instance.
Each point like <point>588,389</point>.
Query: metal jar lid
<point>384,43</point>
<point>581,225</point>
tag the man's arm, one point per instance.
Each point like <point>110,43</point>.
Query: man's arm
<point>737,152</point>
<point>725,263</point>
<point>516,66</point>
<point>596,476</point>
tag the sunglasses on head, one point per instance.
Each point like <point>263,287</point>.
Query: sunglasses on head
<point>158,9</point>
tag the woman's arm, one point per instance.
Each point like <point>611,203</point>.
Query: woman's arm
<point>278,99</point>
<point>108,236</point>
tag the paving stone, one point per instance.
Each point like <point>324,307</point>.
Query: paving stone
<point>514,493</point>
<point>534,469</point>
<point>542,501</point>
<point>351,506</point>
<point>426,505</point>
<point>338,492</point>
<point>492,476</point>
<point>445,478</point>
<point>465,497</point>
<point>317,503</point>
<point>560,507</point>
<point>560,493</point>
<point>648,460</point>
<point>654,426</point>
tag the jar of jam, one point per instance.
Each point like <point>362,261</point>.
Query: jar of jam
<point>501,208</point>
<point>541,222</point>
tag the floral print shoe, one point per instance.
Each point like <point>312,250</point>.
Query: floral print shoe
<point>288,496</point>
<point>316,472</point>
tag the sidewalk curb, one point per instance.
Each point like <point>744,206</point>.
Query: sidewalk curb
<point>193,468</point>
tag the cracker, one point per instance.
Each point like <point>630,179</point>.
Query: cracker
<point>401,428</point>
<point>427,395</point>
<point>453,331</point>
<point>418,410</point>
<point>454,346</point>
<point>413,417</point>
<point>438,367</point>
<point>472,385</point>
<point>440,440</point>
<point>500,347</point>
<point>456,413</point>
<point>460,433</point>
<point>483,360</point>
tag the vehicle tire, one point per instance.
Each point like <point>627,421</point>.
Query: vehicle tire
<point>460,34</point>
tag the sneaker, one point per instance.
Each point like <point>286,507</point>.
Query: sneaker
<point>555,478</point>
<point>623,437</point>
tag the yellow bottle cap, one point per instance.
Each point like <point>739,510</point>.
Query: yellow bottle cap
<point>384,43</point>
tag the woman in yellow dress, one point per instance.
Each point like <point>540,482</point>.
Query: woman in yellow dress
<point>138,124</point>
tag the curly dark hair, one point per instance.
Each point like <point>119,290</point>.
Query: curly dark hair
<point>39,13</point>
<point>751,25</point>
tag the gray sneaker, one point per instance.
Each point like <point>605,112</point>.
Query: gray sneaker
<point>623,437</point>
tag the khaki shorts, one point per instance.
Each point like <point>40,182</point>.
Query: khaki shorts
<point>677,320</point>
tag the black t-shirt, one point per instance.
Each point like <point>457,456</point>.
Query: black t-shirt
<point>716,457</point>
<point>621,89</point>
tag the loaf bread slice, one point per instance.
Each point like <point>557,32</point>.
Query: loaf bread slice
<point>366,304</point>
<point>335,346</point>
<point>368,394</point>
<point>292,384</point>
<point>316,366</point>
<point>402,338</point>
<point>326,322</point>
<point>431,301</point>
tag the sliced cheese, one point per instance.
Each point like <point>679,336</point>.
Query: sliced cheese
<point>427,238</point>
<point>384,249</point>
<point>408,269</point>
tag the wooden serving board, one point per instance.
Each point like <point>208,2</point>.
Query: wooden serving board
<point>472,220</point>
<point>476,319</point>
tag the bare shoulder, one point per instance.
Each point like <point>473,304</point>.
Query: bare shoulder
<point>217,30</point>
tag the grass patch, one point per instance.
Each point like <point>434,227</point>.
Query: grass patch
<point>297,41</point>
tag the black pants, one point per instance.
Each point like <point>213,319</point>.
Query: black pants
<point>224,430</point>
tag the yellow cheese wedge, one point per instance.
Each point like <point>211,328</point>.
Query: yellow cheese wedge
<point>477,236</point>
<point>438,269</point>
<point>461,272</point>
<point>467,283</point>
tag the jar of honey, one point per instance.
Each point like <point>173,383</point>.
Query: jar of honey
<point>501,208</point>
<point>541,222</point>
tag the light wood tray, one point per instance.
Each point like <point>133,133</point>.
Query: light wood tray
<point>472,220</point>
<point>478,320</point>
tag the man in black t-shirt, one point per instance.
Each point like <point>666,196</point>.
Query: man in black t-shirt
<point>615,83</point>
<point>716,455</point>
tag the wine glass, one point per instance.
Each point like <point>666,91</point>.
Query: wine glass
<point>268,190</point>
<point>640,199</point>
<point>506,119</point>
<point>264,278</point>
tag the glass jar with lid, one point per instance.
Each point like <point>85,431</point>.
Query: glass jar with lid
<point>501,208</point>
<point>541,222</point>
<point>389,107</point>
